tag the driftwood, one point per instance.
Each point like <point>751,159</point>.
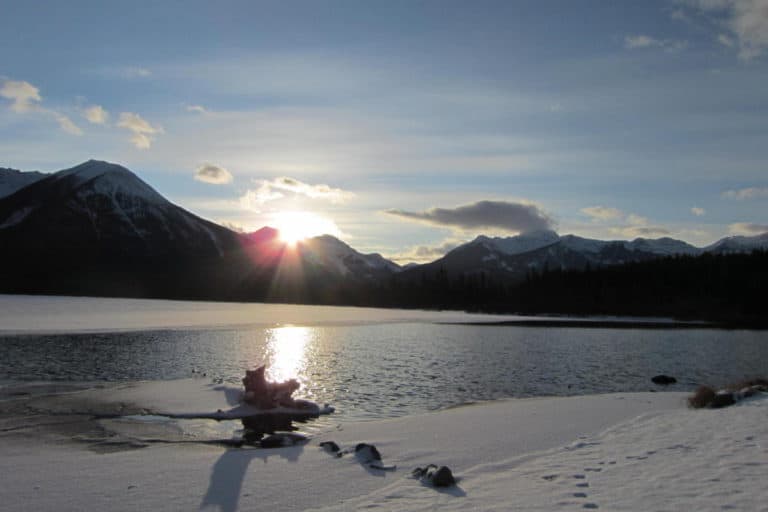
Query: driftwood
<point>268,395</point>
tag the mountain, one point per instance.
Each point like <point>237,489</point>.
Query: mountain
<point>332,253</point>
<point>735,244</point>
<point>12,180</point>
<point>98,229</point>
<point>510,260</point>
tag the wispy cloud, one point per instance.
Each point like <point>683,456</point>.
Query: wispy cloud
<point>426,253</point>
<point>96,114</point>
<point>641,231</point>
<point>196,108</point>
<point>271,190</point>
<point>123,72</point>
<point>643,41</point>
<point>746,193</point>
<point>23,95</point>
<point>630,225</point>
<point>698,212</point>
<point>142,130</point>
<point>747,228</point>
<point>745,21</point>
<point>602,213</point>
<point>509,216</point>
<point>66,124</point>
<point>26,98</point>
<point>209,173</point>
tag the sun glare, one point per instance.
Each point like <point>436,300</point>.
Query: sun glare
<point>297,226</point>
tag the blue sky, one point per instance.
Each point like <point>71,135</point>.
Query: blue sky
<point>407,127</point>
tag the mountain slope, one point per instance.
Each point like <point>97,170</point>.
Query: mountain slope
<point>12,180</point>
<point>510,260</point>
<point>102,208</point>
<point>97,228</point>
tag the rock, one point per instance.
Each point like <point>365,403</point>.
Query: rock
<point>331,447</point>
<point>281,440</point>
<point>722,399</point>
<point>663,380</point>
<point>435,476</point>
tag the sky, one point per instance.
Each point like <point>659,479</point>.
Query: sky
<point>406,127</point>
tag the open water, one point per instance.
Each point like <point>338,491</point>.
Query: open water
<point>396,369</point>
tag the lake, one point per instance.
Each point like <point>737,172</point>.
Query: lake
<point>398,364</point>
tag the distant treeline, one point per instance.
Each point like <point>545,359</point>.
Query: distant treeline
<point>726,288</point>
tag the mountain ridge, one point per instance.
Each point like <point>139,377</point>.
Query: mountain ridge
<point>100,221</point>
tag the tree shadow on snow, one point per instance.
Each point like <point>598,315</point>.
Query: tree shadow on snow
<point>229,471</point>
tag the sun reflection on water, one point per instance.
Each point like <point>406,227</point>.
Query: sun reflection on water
<point>287,349</point>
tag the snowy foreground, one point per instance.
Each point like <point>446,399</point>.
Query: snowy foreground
<point>633,451</point>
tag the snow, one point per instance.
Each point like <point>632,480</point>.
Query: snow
<point>664,246</point>
<point>43,314</point>
<point>17,217</point>
<point>739,244</point>
<point>521,243</point>
<point>628,451</point>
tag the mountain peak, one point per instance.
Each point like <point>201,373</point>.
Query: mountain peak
<point>108,178</point>
<point>93,169</point>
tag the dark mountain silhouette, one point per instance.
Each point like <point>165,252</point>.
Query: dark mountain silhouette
<point>97,229</point>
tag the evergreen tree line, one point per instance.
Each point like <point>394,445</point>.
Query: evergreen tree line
<point>727,288</point>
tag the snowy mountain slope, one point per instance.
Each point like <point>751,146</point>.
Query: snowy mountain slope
<point>105,207</point>
<point>512,258</point>
<point>521,243</point>
<point>12,180</point>
<point>739,244</point>
<point>332,253</point>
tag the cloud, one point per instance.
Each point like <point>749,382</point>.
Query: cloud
<point>140,128</point>
<point>25,98</point>
<point>746,22</point>
<point>637,220</point>
<point>196,108</point>
<point>698,211</point>
<point>213,174</point>
<point>95,114</point>
<point>234,226</point>
<point>746,193</point>
<point>66,123</point>
<point>426,254</point>
<point>641,231</point>
<point>508,216</point>
<point>602,213</point>
<point>23,95</point>
<point>254,199</point>
<point>643,41</point>
<point>747,228</point>
<point>279,187</point>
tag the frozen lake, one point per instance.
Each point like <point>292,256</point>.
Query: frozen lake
<point>368,363</point>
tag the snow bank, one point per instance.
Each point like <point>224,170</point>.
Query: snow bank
<point>640,451</point>
<point>41,314</point>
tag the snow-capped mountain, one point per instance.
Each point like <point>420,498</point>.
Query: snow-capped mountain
<point>512,258</point>
<point>519,244</point>
<point>733,244</point>
<point>12,180</point>
<point>330,252</point>
<point>105,207</point>
<point>97,228</point>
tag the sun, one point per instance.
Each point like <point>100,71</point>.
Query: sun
<point>297,226</point>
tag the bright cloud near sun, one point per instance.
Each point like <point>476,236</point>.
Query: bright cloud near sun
<point>296,226</point>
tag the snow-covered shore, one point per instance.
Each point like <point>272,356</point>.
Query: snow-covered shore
<point>629,451</point>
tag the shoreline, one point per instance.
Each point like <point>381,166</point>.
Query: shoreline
<point>627,451</point>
